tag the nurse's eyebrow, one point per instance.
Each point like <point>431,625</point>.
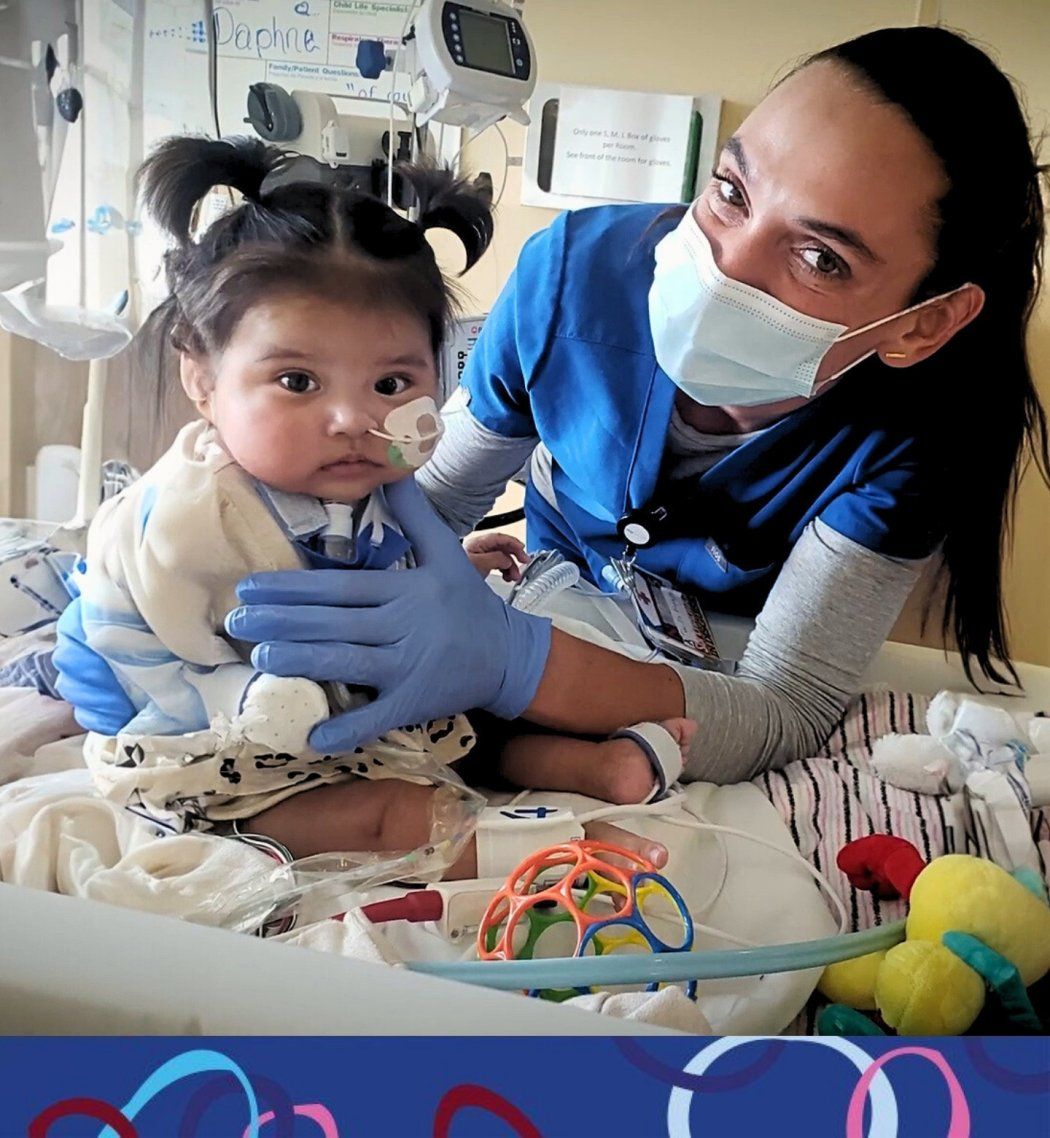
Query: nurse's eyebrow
<point>735,148</point>
<point>848,237</point>
<point>839,233</point>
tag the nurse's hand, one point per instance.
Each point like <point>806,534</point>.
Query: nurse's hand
<point>85,680</point>
<point>431,641</point>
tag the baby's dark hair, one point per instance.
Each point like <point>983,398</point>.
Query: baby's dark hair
<point>323,239</point>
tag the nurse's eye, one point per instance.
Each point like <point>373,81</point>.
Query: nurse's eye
<point>298,382</point>
<point>727,190</point>
<point>822,262</point>
<point>393,384</point>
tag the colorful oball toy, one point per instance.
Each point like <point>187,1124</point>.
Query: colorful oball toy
<point>611,904</point>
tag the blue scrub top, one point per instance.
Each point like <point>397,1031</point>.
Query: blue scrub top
<point>567,354</point>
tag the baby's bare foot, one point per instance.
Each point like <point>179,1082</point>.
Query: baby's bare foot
<point>624,774</point>
<point>655,852</point>
<point>682,731</point>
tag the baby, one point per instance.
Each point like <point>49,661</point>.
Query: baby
<point>307,325</point>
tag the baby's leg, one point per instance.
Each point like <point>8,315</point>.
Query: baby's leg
<point>388,815</point>
<point>616,770</point>
<point>361,815</point>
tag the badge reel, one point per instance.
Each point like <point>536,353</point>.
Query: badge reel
<point>673,622</point>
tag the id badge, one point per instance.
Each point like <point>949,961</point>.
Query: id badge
<point>672,621</point>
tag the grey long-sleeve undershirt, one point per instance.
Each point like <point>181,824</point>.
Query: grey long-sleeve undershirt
<point>827,615</point>
<point>470,467</point>
<point>829,612</point>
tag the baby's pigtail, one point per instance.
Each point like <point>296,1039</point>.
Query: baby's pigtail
<point>180,171</point>
<point>448,202</point>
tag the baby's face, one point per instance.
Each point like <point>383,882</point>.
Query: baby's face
<point>302,382</point>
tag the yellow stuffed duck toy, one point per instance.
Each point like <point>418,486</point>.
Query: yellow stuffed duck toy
<point>972,928</point>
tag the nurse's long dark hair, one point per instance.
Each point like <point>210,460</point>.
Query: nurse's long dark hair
<point>315,238</point>
<point>978,388</point>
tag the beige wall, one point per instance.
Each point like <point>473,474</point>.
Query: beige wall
<point>738,49</point>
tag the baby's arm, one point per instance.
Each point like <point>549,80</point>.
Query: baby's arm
<point>172,696</point>
<point>163,562</point>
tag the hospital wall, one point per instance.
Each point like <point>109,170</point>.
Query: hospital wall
<point>739,50</point>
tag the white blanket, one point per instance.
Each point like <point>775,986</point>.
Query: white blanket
<point>55,835</point>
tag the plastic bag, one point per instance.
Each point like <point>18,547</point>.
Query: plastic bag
<point>312,888</point>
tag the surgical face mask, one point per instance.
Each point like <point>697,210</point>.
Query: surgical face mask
<point>725,343</point>
<point>412,431</point>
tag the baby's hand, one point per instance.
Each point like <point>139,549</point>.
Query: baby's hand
<point>278,712</point>
<point>496,551</point>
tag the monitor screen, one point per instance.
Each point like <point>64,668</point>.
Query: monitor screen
<point>486,43</point>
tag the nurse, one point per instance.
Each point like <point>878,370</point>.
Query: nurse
<point>803,387</point>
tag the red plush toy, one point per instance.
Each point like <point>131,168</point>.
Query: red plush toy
<point>882,864</point>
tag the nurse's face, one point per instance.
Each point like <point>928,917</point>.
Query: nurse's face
<point>826,199</point>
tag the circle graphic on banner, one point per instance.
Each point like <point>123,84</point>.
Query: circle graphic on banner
<point>1018,1082</point>
<point>883,1100</point>
<point>635,1054</point>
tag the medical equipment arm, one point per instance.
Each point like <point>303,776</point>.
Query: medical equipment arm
<point>430,641</point>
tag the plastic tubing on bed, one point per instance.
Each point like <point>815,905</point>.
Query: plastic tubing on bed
<point>664,968</point>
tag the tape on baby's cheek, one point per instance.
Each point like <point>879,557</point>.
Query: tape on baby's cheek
<point>413,432</point>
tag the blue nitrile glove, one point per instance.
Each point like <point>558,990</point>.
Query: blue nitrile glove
<point>85,680</point>
<point>432,641</point>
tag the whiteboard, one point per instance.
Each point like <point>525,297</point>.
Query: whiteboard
<point>308,44</point>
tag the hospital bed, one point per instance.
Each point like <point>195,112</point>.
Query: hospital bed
<point>77,966</point>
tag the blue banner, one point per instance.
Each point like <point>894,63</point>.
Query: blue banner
<point>870,1087</point>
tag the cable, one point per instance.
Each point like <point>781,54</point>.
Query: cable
<point>721,934</point>
<point>85,114</point>
<point>213,75</point>
<point>697,823</point>
<point>473,138</point>
<point>390,132</point>
<point>391,149</point>
<point>506,165</point>
<point>213,63</point>
<point>601,813</point>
